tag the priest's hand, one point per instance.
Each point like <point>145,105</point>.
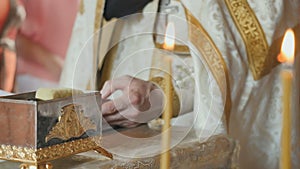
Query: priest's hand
<point>140,102</point>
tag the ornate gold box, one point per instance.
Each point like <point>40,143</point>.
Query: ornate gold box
<point>36,131</point>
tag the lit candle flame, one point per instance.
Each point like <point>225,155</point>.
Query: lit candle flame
<point>169,37</point>
<point>287,52</point>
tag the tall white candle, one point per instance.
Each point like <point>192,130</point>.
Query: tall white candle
<point>167,115</point>
<point>286,56</point>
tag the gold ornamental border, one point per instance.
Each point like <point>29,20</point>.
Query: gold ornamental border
<point>252,34</point>
<point>31,155</point>
<point>213,57</point>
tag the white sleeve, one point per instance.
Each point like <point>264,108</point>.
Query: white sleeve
<point>208,103</point>
<point>183,81</point>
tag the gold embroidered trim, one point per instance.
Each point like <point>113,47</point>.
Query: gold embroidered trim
<point>203,42</point>
<point>81,7</point>
<point>107,66</point>
<point>98,23</point>
<point>253,36</point>
<point>98,15</point>
<point>31,155</point>
<point>160,81</point>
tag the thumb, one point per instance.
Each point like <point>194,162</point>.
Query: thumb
<point>113,85</point>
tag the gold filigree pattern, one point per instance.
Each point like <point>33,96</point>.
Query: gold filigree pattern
<point>31,155</point>
<point>213,145</point>
<point>203,42</point>
<point>14,153</point>
<point>217,152</point>
<point>253,36</point>
<point>36,166</point>
<point>72,124</point>
<point>66,149</point>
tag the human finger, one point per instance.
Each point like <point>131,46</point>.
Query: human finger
<point>112,106</point>
<point>114,117</point>
<point>111,86</point>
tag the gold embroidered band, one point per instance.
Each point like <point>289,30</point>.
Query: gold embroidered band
<point>98,23</point>
<point>98,15</point>
<point>203,42</point>
<point>253,36</point>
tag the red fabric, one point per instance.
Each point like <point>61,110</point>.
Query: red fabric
<point>48,24</point>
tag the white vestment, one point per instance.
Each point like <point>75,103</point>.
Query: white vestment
<point>256,104</point>
<point>255,119</point>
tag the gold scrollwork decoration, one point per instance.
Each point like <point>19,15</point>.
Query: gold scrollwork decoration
<point>42,155</point>
<point>10,152</point>
<point>71,124</point>
<point>37,166</point>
